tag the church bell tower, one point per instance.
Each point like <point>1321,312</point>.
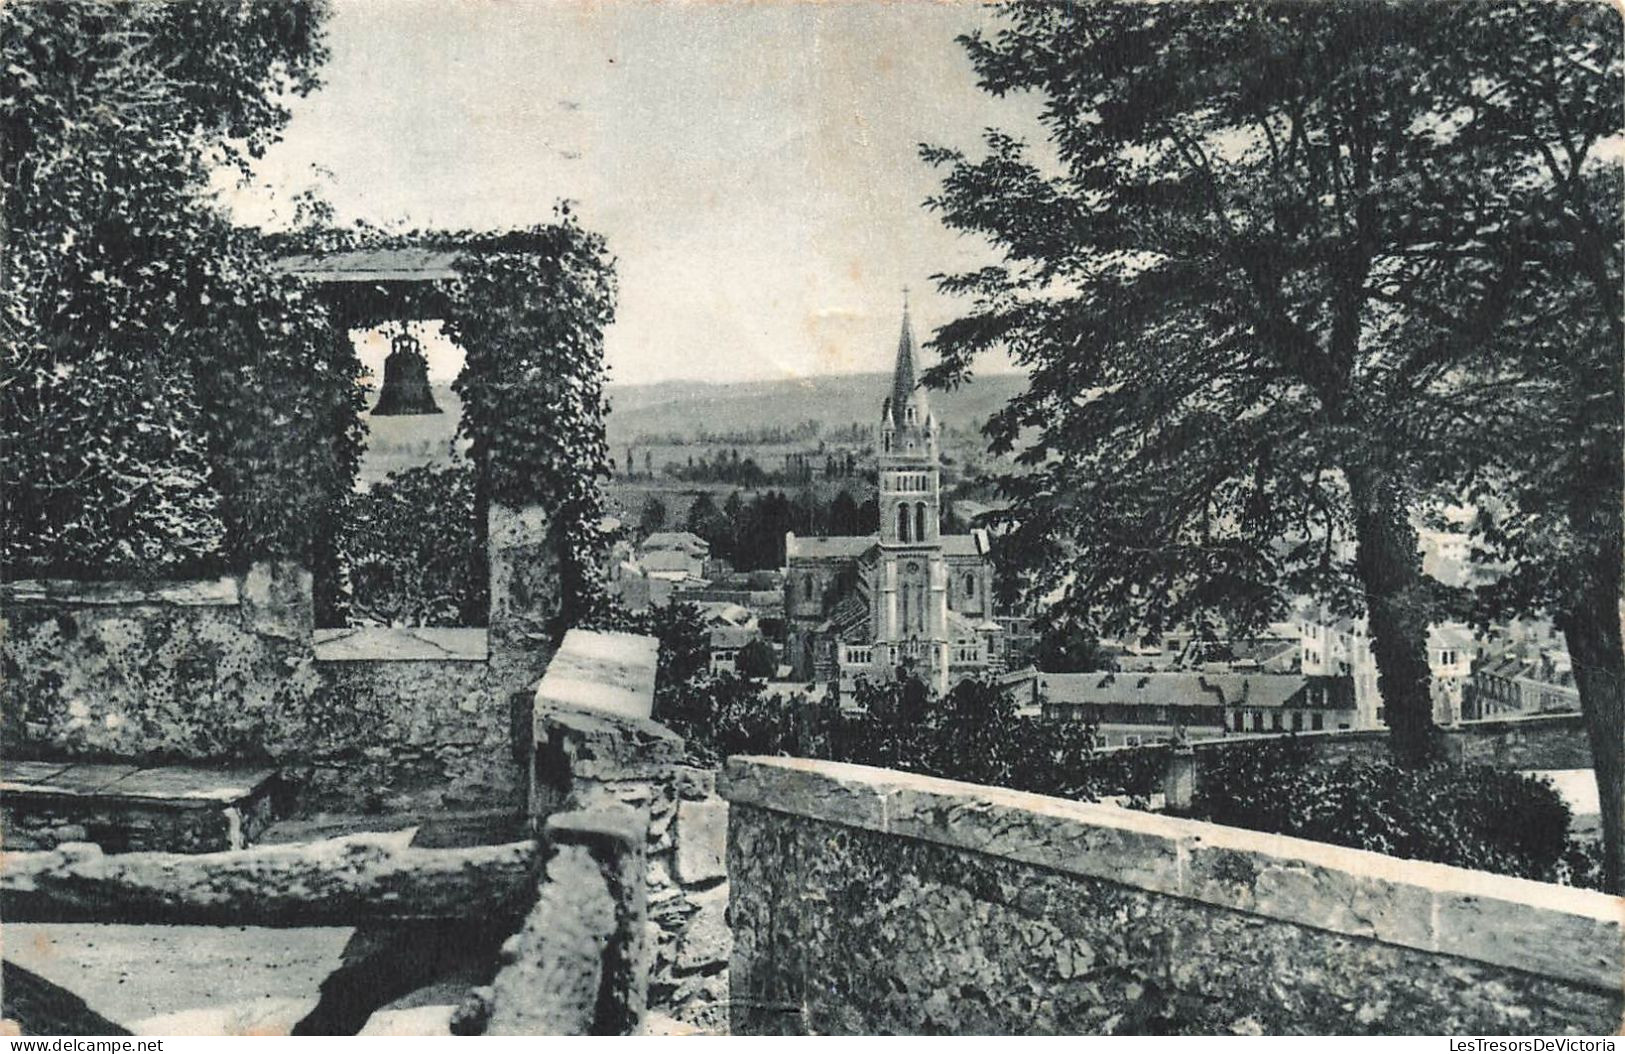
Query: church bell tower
<point>911,613</point>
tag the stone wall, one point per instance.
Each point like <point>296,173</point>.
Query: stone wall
<point>130,825</point>
<point>866,900</point>
<point>595,744</point>
<point>233,671</point>
<point>1533,742</point>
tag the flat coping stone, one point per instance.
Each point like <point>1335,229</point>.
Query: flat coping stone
<point>23,772</point>
<point>610,673</point>
<point>165,786</point>
<point>215,592</point>
<point>401,644</point>
<point>1575,935</point>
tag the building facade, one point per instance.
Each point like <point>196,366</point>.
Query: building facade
<point>1136,709</point>
<point>909,599</point>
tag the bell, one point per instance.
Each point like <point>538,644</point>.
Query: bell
<point>406,380</point>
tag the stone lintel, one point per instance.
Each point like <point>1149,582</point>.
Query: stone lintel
<point>1554,931</point>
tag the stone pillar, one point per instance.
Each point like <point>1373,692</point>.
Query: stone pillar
<point>1179,780</point>
<point>523,547</point>
<point>276,600</point>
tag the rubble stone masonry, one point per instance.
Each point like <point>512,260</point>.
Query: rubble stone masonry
<point>866,900</point>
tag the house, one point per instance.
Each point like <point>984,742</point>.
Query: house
<point>1520,679</point>
<point>1342,647</point>
<point>726,642</point>
<point>672,551</point>
<point>1132,709</point>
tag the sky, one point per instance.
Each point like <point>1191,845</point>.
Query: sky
<point>753,165</point>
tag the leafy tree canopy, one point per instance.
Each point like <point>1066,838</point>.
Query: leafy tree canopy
<point>167,398</point>
<point>1247,282</point>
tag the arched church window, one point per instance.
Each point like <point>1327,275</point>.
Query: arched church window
<point>885,441</point>
<point>909,415</point>
<point>970,585</point>
<point>807,587</point>
<point>902,521</point>
<point>919,522</point>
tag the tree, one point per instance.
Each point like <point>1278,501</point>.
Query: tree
<point>757,661</point>
<point>653,516</point>
<point>706,521</point>
<point>167,399</point>
<point>1230,291</point>
<point>843,514</point>
<point>1535,438</point>
<point>1065,647</point>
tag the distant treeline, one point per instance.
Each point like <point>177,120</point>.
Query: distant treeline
<point>750,534</point>
<point>760,435</point>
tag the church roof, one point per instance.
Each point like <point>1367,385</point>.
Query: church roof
<point>851,621</point>
<point>837,545</point>
<point>960,545</point>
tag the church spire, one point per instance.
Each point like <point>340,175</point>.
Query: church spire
<point>903,379</point>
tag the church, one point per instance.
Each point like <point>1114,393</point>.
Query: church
<point>910,600</point>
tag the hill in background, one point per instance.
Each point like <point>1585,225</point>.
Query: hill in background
<point>686,408</point>
<point>646,414</point>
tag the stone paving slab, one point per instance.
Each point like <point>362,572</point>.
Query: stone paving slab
<point>180,785</point>
<point>23,772</point>
<point>179,980</point>
<point>188,784</point>
<point>76,781</point>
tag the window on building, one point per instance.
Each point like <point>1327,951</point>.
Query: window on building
<point>1275,721</point>
<point>1258,721</point>
<point>1241,721</point>
<point>919,522</point>
<point>902,523</point>
<point>1382,714</point>
<point>885,441</point>
<point>1297,720</point>
<point>808,589</point>
<point>970,585</point>
<point>1317,721</point>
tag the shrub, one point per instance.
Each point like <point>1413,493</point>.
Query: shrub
<point>757,660</point>
<point>1467,815</point>
<point>413,550</point>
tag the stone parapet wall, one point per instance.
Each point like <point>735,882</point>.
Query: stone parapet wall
<point>867,900</point>
<point>596,746</point>
<point>233,671</point>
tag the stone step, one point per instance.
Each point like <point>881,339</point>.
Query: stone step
<point>132,807</point>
